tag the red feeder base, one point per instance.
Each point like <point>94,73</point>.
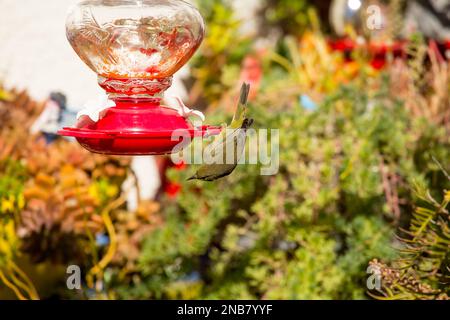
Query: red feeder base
<point>137,127</point>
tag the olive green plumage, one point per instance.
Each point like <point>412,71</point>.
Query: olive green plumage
<point>233,138</point>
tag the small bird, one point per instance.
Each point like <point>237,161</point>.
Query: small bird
<point>233,137</point>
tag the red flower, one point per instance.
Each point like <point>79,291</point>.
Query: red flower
<point>252,73</point>
<point>172,189</point>
<point>378,63</point>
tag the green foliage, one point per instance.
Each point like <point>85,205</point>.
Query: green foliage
<point>291,16</point>
<point>308,272</point>
<point>423,270</point>
<point>309,231</point>
<point>343,187</point>
<point>12,179</point>
<point>364,235</point>
<point>221,52</point>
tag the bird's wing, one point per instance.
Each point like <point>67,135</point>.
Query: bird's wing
<point>226,135</point>
<point>233,141</point>
<point>238,118</point>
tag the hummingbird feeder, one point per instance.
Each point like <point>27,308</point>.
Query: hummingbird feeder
<point>135,47</point>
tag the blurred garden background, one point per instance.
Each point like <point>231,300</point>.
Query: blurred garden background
<point>363,187</point>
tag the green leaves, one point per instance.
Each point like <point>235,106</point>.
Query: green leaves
<point>422,272</point>
<point>309,231</point>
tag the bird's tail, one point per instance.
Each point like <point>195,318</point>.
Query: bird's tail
<point>245,90</point>
<point>241,109</point>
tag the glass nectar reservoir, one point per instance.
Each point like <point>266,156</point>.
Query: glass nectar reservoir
<point>135,47</point>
